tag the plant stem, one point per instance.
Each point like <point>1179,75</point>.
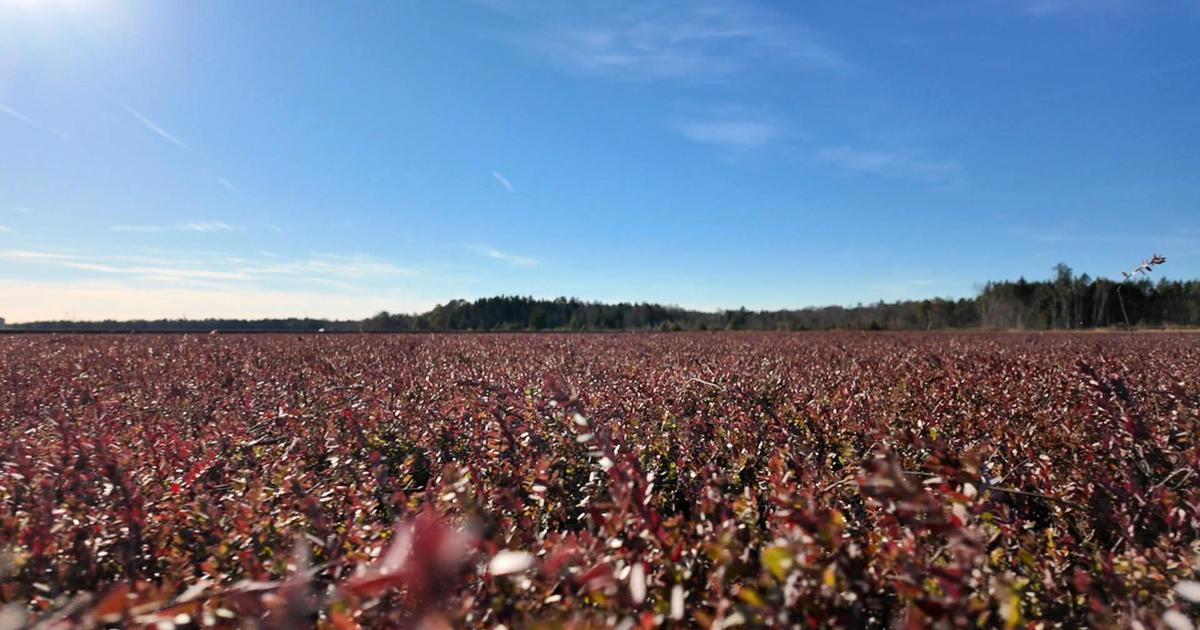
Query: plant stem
<point>1121,301</point>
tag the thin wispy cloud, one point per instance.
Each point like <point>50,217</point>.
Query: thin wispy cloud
<point>23,210</point>
<point>503,181</point>
<point>19,116</point>
<point>891,164</point>
<point>225,182</point>
<point>704,39</point>
<point>730,133</point>
<point>330,268</point>
<point>340,265</point>
<point>17,254</point>
<point>194,226</point>
<point>31,122</point>
<point>1074,236</point>
<point>5,228</point>
<point>154,127</point>
<point>495,254</point>
<point>118,266</point>
<point>1045,8</point>
<point>207,226</point>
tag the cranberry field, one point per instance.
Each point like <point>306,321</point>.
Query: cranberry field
<point>571,481</point>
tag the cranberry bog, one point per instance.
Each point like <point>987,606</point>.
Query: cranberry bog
<point>577,481</point>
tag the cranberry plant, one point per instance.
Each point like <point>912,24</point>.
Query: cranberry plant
<point>578,481</point>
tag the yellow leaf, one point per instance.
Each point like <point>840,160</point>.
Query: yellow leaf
<point>1011,611</point>
<point>829,577</point>
<point>750,596</point>
<point>777,560</point>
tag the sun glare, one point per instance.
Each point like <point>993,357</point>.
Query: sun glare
<point>40,5</point>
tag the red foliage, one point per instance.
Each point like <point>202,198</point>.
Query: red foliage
<point>599,480</point>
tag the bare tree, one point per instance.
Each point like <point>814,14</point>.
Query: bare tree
<point>1141,270</point>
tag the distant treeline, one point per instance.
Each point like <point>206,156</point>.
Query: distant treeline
<point>523,313</point>
<point>189,325</point>
<point>1070,301</point>
<point>1065,302</point>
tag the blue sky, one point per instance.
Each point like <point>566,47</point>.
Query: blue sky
<point>227,158</point>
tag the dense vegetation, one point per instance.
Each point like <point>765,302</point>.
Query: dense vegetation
<point>688,480</point>
<point>1066,302</point>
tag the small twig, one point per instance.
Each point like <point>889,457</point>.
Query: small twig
<point>63,612</point>
<point>1171,476</point>
<point>1137,520</point>
<point>939,553</point>
<point>1121,301</point>
<point>709,383</point>
<point>840,482</point>
<point>148,612</point>
<point>1013,469</point>
<point>265,441</point>
<point>1038,495</point>
<point>338,388</point>
<point>984,485</point>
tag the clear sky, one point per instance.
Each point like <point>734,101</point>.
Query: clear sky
<point>230,158</point>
